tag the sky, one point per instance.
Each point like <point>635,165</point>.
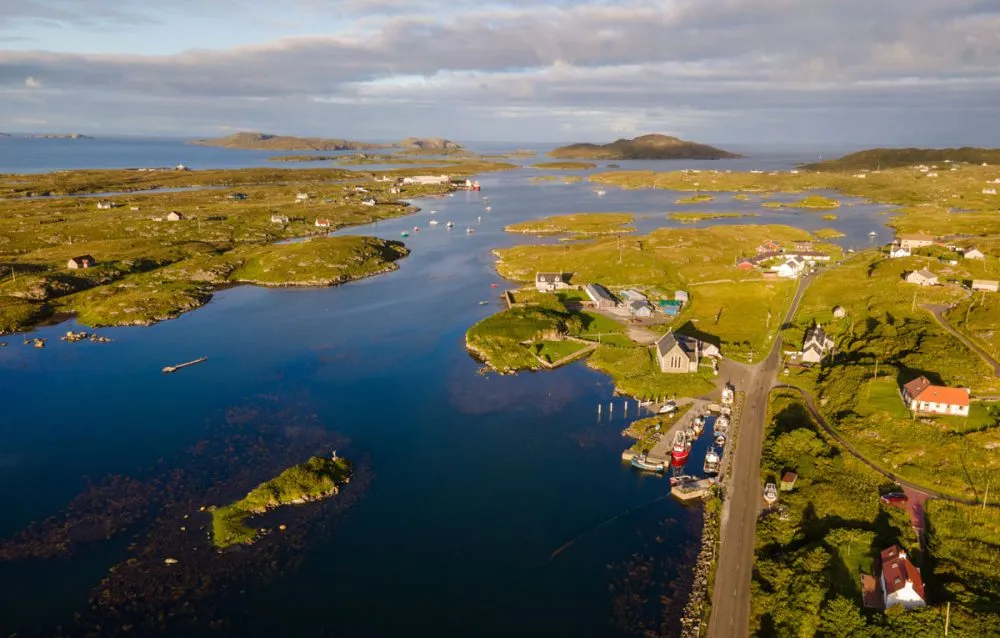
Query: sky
<point>851,72</point>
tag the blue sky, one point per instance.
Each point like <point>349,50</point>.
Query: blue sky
<point>853,72</point>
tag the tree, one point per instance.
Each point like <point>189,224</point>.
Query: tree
<point>842,619</point>
<point>798,445</point>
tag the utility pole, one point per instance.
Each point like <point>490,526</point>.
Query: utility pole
<point>619,249</point>
<point>913,306</point>
<point>986,494</point>
<point>947,618</point>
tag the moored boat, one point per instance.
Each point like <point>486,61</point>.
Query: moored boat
<point>770,493</point>
<point>720,439</point>
<point>682,447</point>
<point>642,463</point>
<point>450,224</point>
<point>698,425</point>
<point>433,222</point>
<point>681,479</point>
<point>721,424</point>
<point>712,459</point>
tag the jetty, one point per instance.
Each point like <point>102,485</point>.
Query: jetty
<point>692,489</point>
<point>169,369</point>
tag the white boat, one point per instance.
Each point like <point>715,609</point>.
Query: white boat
<point>711,461</point>
<point>873,234</point>
<point>770,493</point>
<point>667,408</point>
<point>720,439</point>
<point>432,222</point>
<point>601,192</point>
<point>450,224</point>
<point>433,212</point>
<point>469,231</point>
<point>698,425</point>
<point>643,464</point>
<point>721,424</point>
<point>489,208</point>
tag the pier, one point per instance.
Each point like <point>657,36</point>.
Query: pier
<point>661,451</point>
<point>169,369</point>
<point>692,490</point>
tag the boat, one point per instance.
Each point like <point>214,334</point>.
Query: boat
<point>450,224</point>
<point>873,234</point>
<point>483,303</point>
<point>721,424</point>
<point>404,234</point>
<point>416,229</point>
<point>601,192</point>
<point>667,408</point>
<point>488,208</point>
<point>433,222</point>
<point>642,463</point>
<point>494,285</point>
<point>469,230</point>
<point>698,425</point>
<point>770,493</point>
<point>681,479</point>
<point>682,447</point>
<point>720,439</point>
<point>433,212</point>
<point>711,461</point>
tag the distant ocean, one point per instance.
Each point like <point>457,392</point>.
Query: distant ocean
<point>21,155</point>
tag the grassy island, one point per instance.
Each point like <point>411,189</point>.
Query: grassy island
<point>653,146</point>
<point>579,223</point>
<point>812,201</point>
<point>691,218</point>
<point>695,199</point>
<point>315,479</point>
<point>827,233</point>
<point>565,166</point>
<point>162,241</point>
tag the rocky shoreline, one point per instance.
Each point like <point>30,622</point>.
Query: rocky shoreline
<point>694,611</point>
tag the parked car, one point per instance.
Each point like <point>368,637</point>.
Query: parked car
<point>894,498</point>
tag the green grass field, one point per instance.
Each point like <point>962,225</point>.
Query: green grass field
<point>810,553</point>
<point>552,351</point>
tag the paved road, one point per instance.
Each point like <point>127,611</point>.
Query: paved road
<point>938,311</point>
<point>731,596</point>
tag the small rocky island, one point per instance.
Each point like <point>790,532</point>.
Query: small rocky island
<point>313,480</point>
<point>51,136</point>
<point>255,141</point>
<point>653,146</point>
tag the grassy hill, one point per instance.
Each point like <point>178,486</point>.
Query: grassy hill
<point>268,142</point>
<point>875,158</point>
<point>653,146</point>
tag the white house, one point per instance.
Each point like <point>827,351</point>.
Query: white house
<point>923,398</point>
<point>368,202</point>
<point>322,223</point>
<point>900,580</point>
<point>860,175</point>
<point>550,281</point>
<point>174,216</point>
<point>640,308</point>
<point>301,197</point>
<point>989,285</point>
<point>816,345</point>
<point>917,240</point>
<point>989,191</point>
<point>279,219</point>
<point>973,253</point>
<point>896,251</point>
<point>105,205</point>
<point>790,269</point>
<point>922,277</point>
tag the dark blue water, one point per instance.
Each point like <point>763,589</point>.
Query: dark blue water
<point>477,479</point>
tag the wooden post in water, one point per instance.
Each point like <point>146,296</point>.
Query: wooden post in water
<point>626,409</point>
<point>611,408</point>
<point>598,408</point>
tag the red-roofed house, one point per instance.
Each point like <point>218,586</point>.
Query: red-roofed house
<point>900,580</point>
<point>920,396</point>
<point>322,223</point>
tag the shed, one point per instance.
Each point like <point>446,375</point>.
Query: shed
<point>681,296</point>
<point>174,216</point>
<point>83,261</point>
<point>989,285</point>
<point>640,308</point>
<point>973,253</point>
<point>601,296</point>
<point>922,277</point>
<point>632,294</point>
<point>322,223</point>
<point>839,312</point>
<point>788,481</point>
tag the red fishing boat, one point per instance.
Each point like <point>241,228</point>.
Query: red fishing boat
<point>682,447</point>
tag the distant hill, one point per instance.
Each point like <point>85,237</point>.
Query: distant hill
<point>48,136</point>
<point>266,142</point>
<point>651,146</point>
<point>428,143</point>
<point>875,158</point>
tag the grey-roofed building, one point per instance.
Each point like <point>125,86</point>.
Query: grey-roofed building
<point>601,296</point>
<point>990,285</point>
<point>922,277</point>
<point>632,294</point>
<point>677,353</point>
<point>640,308</point>
<point>816,344</point>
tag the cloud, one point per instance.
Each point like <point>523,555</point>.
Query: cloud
<point>704,61</point>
